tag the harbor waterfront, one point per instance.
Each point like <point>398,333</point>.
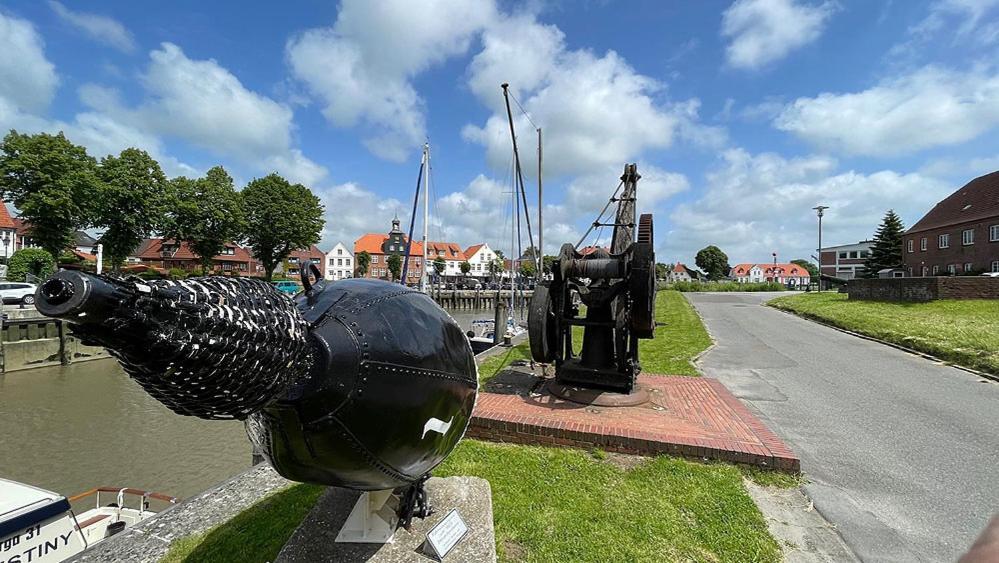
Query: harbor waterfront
<point>68,428</point>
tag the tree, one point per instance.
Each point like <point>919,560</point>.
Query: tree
<point>662,270</point>
<point>886,247</point>
<point>207,213</point>
<point>395,265</point>
<point>439,265</point>
<point>280,217</point>
<point>495,266</point>
<point>363,260</point>
<point>465,268</point>
<point>813,270</point>
<point>713,261</point>
<point>132,202</point>
<point>35,261</point>
<point>52,182</point>
<point>527,269</point>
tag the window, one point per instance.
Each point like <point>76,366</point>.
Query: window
<point>943,241</point>
<point>922,243</point>
<point>908,245</point>
<point>994,233</point>
<point>864,253</point>
<point>339,252</point>
<point>995,265</point>
<point>967,267</point>
<point>951,269</point>
<point>842,255</point>
<point>293,260</point>
<point>968,237</point>
<point>391,247</point>
<point>331,261</point>
<point>347,261</point>
<point>853,254</point>
<point>374,259</point>
<point>936,269</point>
<point>339,262</point>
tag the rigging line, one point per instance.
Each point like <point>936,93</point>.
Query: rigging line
<point>601,216</point>
<point>412,223</point>
<point>524,111</point>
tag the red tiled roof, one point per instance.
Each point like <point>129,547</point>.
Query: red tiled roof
<point>372,244</point>
<point>471,250</point>
<point>6,222</point>
<point>152,250</point>
<point>679,268</point>
<point>313,253</point>
<point>976,200</point>
<point>451,251</point>
<point>742,270</point>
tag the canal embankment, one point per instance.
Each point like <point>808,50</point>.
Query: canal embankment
<point>30,340</point>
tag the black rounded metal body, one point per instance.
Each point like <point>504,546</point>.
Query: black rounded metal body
<point>357,383</point>
<point>389,395</point>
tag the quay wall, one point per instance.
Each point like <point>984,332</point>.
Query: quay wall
<point>472,300</point>
<point>923,289</point>
<point>29,340</point>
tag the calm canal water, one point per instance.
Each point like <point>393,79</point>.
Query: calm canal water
<point>70,428</point>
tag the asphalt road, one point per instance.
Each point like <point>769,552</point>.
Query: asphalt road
<point>901,454</point>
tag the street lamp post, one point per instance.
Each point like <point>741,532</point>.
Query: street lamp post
<point>820,211</point>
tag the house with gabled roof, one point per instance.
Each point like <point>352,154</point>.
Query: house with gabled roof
<point>785,274</point>
<point>960,235</point>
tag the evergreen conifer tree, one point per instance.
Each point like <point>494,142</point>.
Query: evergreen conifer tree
<point>886,252</point>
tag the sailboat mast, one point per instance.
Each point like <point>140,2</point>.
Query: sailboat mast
<point>519,179</point>
<point>541,230</point>
<point>426,215</point>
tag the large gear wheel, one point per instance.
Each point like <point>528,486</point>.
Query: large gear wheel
<point>542,326</point>
<point>642,281</point>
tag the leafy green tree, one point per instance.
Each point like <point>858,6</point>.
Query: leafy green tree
<point>34,261</point>
<point>527,269</point>
<point>395,265</point>
<point>52,182</point>
<point>207,214</point>
<point>495,266</point>
<point>886,250</point>
<point>280,217</point>
<point>813,270</point>
<point>713,261</point>
<point>662,270</point>
<point>132,202</point>
<point>465,267</point>
<point>362,260</point>
<point>439,265</point>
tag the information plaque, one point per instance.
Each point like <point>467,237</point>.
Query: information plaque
<point>445,535</point>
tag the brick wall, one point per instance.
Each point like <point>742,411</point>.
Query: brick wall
<point>924,289</point>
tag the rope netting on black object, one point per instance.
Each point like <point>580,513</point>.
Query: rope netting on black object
<point>211,347</point>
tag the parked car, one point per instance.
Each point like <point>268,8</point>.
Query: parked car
<point>288,286</point>
<point>991,274</point>
<point>18,292</point>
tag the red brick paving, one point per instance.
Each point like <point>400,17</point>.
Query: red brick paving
<point>687,416</point>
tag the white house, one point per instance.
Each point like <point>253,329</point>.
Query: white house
<point>339,263</point>
<point>678,273</point>
<point>479,256</point>
<point>784,274</point>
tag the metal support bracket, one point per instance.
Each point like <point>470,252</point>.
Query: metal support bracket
<point>372,520</point>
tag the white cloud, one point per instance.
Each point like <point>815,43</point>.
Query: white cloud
<point>596,111</point>
<point>203,103</point>
<point>765,31</point>
<point>361,68</point>
<point>930,107</point>
<point>752,205</point>
<point>102,29</point>
<point>27,79</point>
<point>352,210</point>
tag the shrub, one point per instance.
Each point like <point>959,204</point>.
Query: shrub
<point>176,273</point>
<point>685,286</point>
<point>30,261</point>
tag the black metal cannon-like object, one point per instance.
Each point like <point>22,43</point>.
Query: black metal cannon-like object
<point>357,383</point>
<point>617,286</point>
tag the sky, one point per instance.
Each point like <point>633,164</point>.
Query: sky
<point>742,116</point>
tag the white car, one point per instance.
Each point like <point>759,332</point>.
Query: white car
<point>17,292</point>
<point>991,274</point>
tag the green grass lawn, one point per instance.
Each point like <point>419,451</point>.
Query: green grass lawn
<point>670,352</point>
<point>962,332</point>
<point>554,504</point>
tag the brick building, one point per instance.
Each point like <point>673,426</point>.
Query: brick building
<point>960,235</point>
<point>845,261</point>
<point>166,254</point>
<point>381,246</point>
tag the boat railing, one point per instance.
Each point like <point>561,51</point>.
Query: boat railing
<point>120,493</point>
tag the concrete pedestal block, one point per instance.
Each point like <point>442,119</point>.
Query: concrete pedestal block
<point>471,496</point>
